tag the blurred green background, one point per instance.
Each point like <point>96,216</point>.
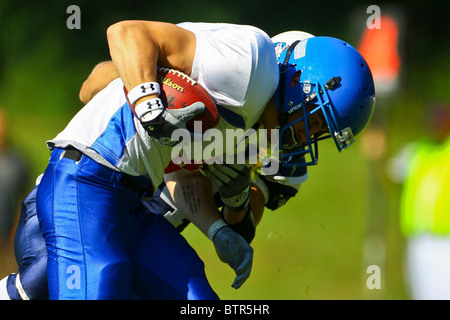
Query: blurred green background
<point>345,218</point>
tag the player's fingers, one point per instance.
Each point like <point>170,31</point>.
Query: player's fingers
<point>227,170</point>
<point>210,172</point>
<point>220,173</point>
<point>244,269</point>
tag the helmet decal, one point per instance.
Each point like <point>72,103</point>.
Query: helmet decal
<point>279,48</point>
<point>300,48</point>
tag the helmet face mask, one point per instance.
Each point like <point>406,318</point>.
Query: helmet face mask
<point>332,79</point>
<point>292,148</point>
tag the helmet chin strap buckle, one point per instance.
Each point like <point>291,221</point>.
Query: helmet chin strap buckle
<point>344,138</point>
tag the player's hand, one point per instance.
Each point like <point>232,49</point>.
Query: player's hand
<point>167,121</point>
<point>233,181</point>
<point>233,249</point>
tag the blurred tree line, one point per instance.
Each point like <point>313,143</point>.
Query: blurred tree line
<point>43,63</point>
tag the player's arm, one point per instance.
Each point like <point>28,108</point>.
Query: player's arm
<point>192,194</point>
<point>263,194</point>
<point>245,221</point>
<point>134,47</point>
<point>240,201</point>
<point>257,203</point>
<point>138,47</point>
<point>102,74</point>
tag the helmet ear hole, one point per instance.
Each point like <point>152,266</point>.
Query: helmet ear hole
<point>295,79</point>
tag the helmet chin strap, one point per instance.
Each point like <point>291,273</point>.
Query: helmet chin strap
<point>282,117</point>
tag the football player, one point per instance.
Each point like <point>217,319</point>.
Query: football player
<point>313,97</point>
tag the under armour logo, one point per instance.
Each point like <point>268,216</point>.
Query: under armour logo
<point>155,102</point>
<point>150,86</point>
<point>241,197</point>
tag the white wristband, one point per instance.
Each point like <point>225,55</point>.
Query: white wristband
<point>143,90</point>
<point>216,226</point>
<point>149,109</point>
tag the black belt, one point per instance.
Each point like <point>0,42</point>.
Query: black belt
<point>72,154</point>
<point>139,185</point>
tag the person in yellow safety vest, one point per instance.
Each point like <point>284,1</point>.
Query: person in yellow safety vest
<point>425,209</point>
<point>425,205</point>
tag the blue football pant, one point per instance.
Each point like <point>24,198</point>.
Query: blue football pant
<point>30,252</point>
<point>105,251</point>
<point>179,275</point>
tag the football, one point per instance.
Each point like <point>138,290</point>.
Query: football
<point>179,91</point>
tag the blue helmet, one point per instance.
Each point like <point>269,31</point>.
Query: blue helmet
<point>333,79</point>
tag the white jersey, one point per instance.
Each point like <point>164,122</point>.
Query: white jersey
<point>235,64</point>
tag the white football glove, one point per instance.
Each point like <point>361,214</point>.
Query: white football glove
<point>233,181</point>
<point>233,249</point>
<point>162,126</point>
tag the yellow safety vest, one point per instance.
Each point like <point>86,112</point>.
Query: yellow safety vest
<point>425,203</point>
